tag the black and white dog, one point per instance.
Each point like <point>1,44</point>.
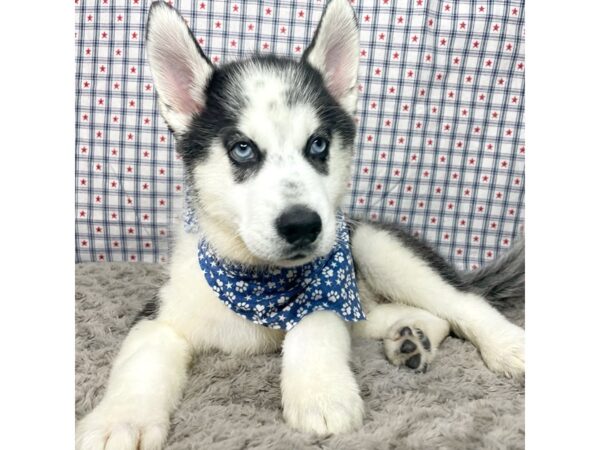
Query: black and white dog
<point>267,145</point>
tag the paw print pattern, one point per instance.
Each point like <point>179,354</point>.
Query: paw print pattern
<point>273,298</point>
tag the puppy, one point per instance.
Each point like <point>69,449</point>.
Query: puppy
<point>266,261</point>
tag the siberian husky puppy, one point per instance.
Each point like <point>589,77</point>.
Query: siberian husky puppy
<point>267,145</point>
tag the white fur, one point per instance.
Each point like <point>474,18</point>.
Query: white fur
<point>319,392</point>
<point>179,71</point>
<point>403,277</point>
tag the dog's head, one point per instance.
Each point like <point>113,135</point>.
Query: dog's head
<point>267,142</point>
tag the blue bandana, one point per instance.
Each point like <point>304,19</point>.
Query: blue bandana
<point>280,297</point>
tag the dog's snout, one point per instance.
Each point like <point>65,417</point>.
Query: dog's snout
<point>299,225</point>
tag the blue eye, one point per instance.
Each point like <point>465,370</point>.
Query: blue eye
<point>242,152</point>
<point>318,146</point>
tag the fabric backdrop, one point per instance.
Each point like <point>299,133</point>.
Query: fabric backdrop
<point>440,145</point>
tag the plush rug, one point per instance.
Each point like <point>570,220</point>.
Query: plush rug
<point>234,403</point>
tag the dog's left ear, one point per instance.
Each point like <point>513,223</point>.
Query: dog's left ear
<point>334,51</point>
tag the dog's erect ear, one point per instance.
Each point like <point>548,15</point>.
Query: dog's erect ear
<point>179,67</point>
<point>334,51</point>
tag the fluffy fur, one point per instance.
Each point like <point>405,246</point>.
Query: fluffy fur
<point>247,133</point>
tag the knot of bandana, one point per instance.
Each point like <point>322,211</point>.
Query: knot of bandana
<point>280,297</point>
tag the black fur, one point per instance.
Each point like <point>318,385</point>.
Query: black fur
<point>502,279</point>
<point>224,100</point>
<point>149,311</point>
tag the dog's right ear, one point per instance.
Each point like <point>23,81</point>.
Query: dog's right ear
<point>179,67</point>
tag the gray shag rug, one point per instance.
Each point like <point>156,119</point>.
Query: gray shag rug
<point>234,402</point>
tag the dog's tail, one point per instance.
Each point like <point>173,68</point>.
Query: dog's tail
<point>503,279</point>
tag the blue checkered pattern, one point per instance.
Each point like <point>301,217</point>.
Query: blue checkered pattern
<point>440,119</point>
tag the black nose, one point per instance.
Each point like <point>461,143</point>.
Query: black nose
<point>299,225</point>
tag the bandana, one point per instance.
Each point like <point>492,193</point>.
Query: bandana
<point>280,297</point>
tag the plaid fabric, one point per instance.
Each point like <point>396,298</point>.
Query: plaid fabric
<point>440,119</point>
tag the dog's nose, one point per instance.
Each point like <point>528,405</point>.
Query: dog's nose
<point>299,225</point>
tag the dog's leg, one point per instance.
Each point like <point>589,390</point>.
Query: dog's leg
<point>319,392</point>
<point>398,273</point>
<point>145,385</point>
<point>411,336</point>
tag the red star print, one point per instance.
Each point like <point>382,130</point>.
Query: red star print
<point>218,24</point>
<point>119,18</point>
<point>410,74</point>
<point>83,181</point>
<point>392,89</point>
<point>84,117</point>
<point>300,13</point>
<point>413,157</point>
<point>409,188</point>
<point>378,71</point>
<point>463,25</point>
<point>450,206</point>
<point>396,55</point>
<point>490,147</point>
<point>401,140</point>
<point>84,149</point>
<point>391,202</point>
<point>373,105</point>
<point>118,52</point>
<point>114,215</point>
<point>298,49</point>
<point>133,69</point>
<point>114,152</point>
<point>414,38</point>
<point>443,41</point>
<point>400,20</point>
<point>426,173</point>
<point>442,158</point>
<point>265,45</point>
<point>113,184</point>
<point>468,78</point>
<point>383,155</point>
<point>378,187</point>
<point>422,92</point>
<point>282,30</point>
<point>369,138</point>
<point>475,238</point>
<point>163,139</point>
<point>104,35</point>
<point>388,123</point>
<point>131,103</point>
<point>496,27</point>
<point>475,44</point>
<point>381,36</point>
<point>430,22</point>
<point>117,85</point>
<point>367,18</point>
<point>509,47</point>
<point>481,9</point>
<point>233,43</point>
<point>235,8</point>
<point>504,164</point>
<point>202,5</point>
<point>405,107</point>
<point>268,11</point>
<point>434,110</point>
<point>88,51</point>
<point>365,170</point>
<point>488,63</point>
<point>162,202</point>
<point>134,35</point>
<point>446,7</point>
<point>396,172</point>
<point>99,134</point>
<point>459,251</point>
<point>146,121</point>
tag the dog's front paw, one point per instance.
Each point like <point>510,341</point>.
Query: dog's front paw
<point>323,407</point>
<point>118,427</point>
<point>503,351</point>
